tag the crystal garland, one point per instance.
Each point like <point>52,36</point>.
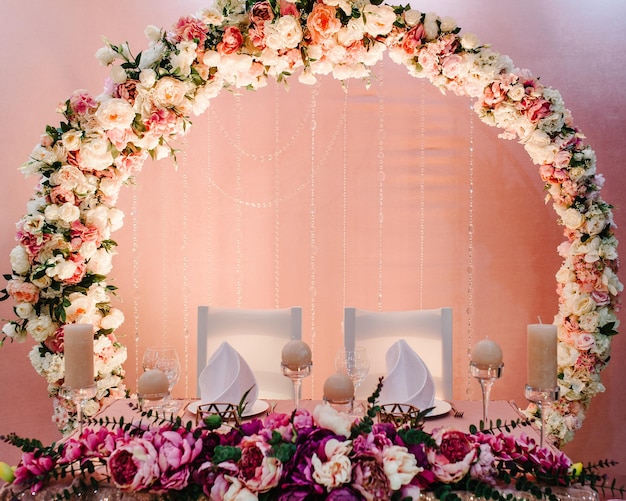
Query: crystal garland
<point>276,196</point>
<point>238,209</point>
<point>381,183</point>
<point>470,251</point>
<point>135,276</point>
<point>344,201</point>
<point>422,169</point>
<point>185,264</point>
<point>312,230</point>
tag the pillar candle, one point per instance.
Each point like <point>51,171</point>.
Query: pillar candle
<point>338,388</point>
<point>542,357</point>
<point>78,351</point>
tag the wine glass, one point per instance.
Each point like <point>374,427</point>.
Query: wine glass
<point>165,359</point>
<point>355,364</point>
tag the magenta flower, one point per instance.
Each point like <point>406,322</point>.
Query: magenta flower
<point>33,468</point>
<point>451,460</point>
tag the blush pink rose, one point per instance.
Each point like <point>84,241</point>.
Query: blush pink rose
<point>60,196</point>
<point>257,471</point>
<point>189,29</point>
<point>413,38</point>
<point>231,41</point>
<point>23,292</point>
<point>323,23</point>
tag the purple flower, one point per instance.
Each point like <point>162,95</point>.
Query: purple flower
<point>346,494</point>
<point>370,480</point>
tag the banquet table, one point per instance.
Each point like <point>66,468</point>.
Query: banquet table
<point>505,411</point>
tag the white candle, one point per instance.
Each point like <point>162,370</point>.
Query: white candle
<point>296,354</point>
<point>78,355</point>
<point>486,353</point>
<point>152,382</point>
<point>542,357</point>
<point>338,388</point>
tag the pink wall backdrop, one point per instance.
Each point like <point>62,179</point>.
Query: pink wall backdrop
<point>328,197</point>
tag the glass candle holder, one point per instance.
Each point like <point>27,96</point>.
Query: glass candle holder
<point>297,374</point>
<point>79,397</point>
<point>486,375</point>
<point>543,398</point>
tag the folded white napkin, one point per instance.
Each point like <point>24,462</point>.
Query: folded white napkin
<point>408,379</point>
<point>227,377</point>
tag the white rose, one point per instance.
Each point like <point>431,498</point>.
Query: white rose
<point>379,19</point>
<point>79,304</point>
<point>72,139</point>
<point>595,224</point>
<point>24,310</point>
<point>610,279</point>
<point>170,92</point>
<point>118,74</point>
<point>116,218</point>
<point>572,219</point>
<point>431,27</point>
<point>352,32</point>
<point>68,212</point>
<point>51,213</point>
<point>582,304</point>
<point>448,25</point>
<point>115,113</point>
<point>16,333</point>
<point>400,466</point>
<point>184,57</point>
<point>147,78</point>
<point>95,154</point>
<point>106,55</point>
<point>113,320</point>
<point>285,33</point>
<point>20,263</point>
<point>412,17</point>
<point>41,327</point>
<point>65,269</point>
<point>100,263</point>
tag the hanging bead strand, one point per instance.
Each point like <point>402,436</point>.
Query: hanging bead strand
<point>470,251</point>
<point>381,182</point>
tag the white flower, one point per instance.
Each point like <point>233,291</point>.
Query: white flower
<point>284,33</point>
<point>95,154</point>
<point>412,17</point>
<point>153,33</point>
<point>106,55</point>
<point>112,320</point>
<point>378,19</point>
<point>20,263</point>
<point>327,416</point>
<point>12,331</point>
<point>101,263</point>
<point>41,327</point>
<point>183,57</point>
<point>352,32</point>
<point>170,92</point>
<point>338,469</point>
<point>400,466</point>
<point>572,219</point>
<point>431,26</point>
<point>118,74</point>
<point>72,139</point>
<point>115,113</point>
<point>24,310</point>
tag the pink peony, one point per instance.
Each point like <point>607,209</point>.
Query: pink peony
<point>134,466</point>
<point>453,457</point>
<point>23,292</point>
<point>231,41</point>
<point>257,471</point>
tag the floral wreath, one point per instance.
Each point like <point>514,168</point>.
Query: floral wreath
<point>65,250</point>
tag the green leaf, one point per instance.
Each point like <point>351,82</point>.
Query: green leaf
<point>226,453</point>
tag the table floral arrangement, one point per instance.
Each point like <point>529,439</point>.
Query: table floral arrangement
<point>65,247</point>
<point>324,455</point>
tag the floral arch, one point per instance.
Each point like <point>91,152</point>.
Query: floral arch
<point>60,265</point>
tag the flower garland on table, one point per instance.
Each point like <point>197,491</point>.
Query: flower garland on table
<point>326,455</point>
<point>64,249</point>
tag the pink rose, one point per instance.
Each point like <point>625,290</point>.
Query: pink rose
<point>227,487</point>
<point>413,38</point>
<point>260,13</point>
<point>231,41</point>
<point>323,23</point>
<point>585,341</point>
<point>189,29</point>
<point>23,292</point>
<point>452,459</point>
<point>134,466</point>
<point>59,196</point>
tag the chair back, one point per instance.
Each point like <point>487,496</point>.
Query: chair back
<point>427,332</point>
<point>257,335</point>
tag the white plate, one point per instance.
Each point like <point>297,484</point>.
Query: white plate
<point>440,409</point>
<point>257,408</point>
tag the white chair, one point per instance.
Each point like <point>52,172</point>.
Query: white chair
<point>427,332</point>
<point>258,336</point>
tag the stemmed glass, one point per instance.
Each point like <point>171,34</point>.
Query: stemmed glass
<point>165,359</point>
<point>355,364</point>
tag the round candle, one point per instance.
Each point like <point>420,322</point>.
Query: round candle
<point>486,353</point>
<point>78,355</point>
<point>338,388</point>
<point>296,354</point>
<point>152,382</point>
<point>542,358</point>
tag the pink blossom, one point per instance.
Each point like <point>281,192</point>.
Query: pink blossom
<point>189,29</point>
<point>82,102</point>
<point>257,470</point>
<point>134,465</point>
<point>31,466</point>
<point>452,459</point>
<point>231,41</point>
<point>23,292</point>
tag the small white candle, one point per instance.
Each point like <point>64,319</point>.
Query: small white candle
<point>542,357</point>
<point>296,354</point>
<point>486,353</point>
<point>152,382</point>
<point>78,355</point>
<point>338,388</point>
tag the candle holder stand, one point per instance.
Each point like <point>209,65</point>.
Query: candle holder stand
<point>543,398</point>
<point>346,406</point>
<point>79,397</point>
<point>486,375</point>
<point>297,375</point>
